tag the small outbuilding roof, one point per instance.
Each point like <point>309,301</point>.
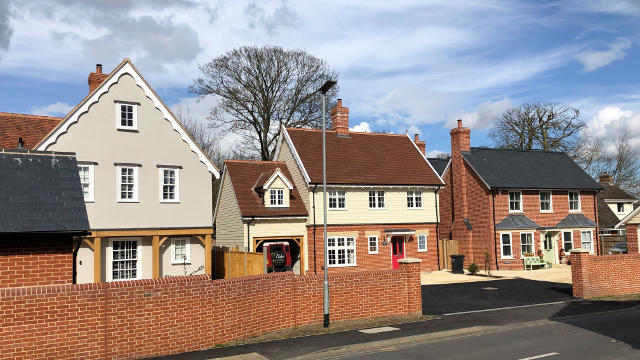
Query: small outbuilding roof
<point>516,222</point>
<point>575,221</point>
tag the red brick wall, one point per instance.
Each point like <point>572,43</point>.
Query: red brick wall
<point>603,275</point>
<point>152,317</point>
<point>381,260</point>
<point>32,261</point>
<point>632,239</point>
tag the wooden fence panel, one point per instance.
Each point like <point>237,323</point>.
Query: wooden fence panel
<point>230,264</point>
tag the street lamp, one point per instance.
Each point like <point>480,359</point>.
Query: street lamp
<point>325,285</point>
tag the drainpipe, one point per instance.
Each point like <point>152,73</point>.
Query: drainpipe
<point>246,247</point>
<point>597,235</point>
<point>495,237</point>
<point>74,279</point>
<point>314,229</point>
<point>437,229</point>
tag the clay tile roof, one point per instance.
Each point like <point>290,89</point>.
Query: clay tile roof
<point>31,128</point>
<point>246,174</point>
<point>363,158</point>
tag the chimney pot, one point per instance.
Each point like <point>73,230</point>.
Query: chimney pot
<point>459,123</point>
<point>415,137</point>
<point>98,68</point>
<point>339,103</point>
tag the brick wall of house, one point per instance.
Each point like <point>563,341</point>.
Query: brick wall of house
<point>633,242</point>
<point>604,275</point>
<point>33,261</point>
<point>142,318</point>
<point>381,260</point>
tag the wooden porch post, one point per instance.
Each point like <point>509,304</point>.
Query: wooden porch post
<point>207,254</point>
<point>97,260</point>
<point>155,244</point>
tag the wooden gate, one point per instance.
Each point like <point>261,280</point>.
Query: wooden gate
<point>447,248</point>
<point>230,263</point>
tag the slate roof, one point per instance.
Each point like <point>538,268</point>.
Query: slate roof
<point>575,221</point>
<point>40,192</point>
<point>363,158</point>
<point>607,219</point>
<point>439,164</point>
<point>516,222</point>
<point>31,128</point>
<point>246,174</point>
<point>528,169</point>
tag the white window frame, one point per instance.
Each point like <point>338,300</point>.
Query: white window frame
<point>91,173</point>
<point>119,125</point>
<point>579,201</point>
<point>592,241</point>
<point>422,249</point>
<point>369,238</point>
<point>176,192</point>
<point>502,256</point>
<point>533,246</point>
<point>187,244</point>
<point>378,194</point>
<point>550,201</point>
<point>276,190</point>
<point>336,248</point>
<point>109,274</point>
<point>564,241</point>
<point>520,205</point>
<point>119,183</point>
<point>336,194</point>
<point>414,195</point>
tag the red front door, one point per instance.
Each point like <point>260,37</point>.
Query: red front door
<point>397,250</point>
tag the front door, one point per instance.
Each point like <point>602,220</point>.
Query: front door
<point>549,254</point>
<point>397,247</point>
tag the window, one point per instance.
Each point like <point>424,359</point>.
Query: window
<point>373,244</point>
<point>169,184</point>
<point>574,201</point>
<point>422,242</point>
<point>337,200</point>
<point>124,260</point>
<point>180,251</point>
<point>567,241</point>
<point>127,184</point>
<point>545,201</point>
<point>276,197</point>
<point>376,199</point>
<point>505,242</point>
<point>620,207</point>
<point>414,199</point>
<point>586,239</point>
<point>342,251</point>
<point>127,116</point>
<point>86,180</point>
<point>526,243</point>
<point>515,201</point>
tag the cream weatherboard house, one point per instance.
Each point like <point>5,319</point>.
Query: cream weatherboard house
<point>382,199</point>
<point>147,185</point>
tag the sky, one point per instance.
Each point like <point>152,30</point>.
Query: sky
<point>403,65</point>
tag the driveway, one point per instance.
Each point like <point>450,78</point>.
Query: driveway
<point>559,273</point>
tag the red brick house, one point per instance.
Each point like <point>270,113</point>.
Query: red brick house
<point>508,203</point>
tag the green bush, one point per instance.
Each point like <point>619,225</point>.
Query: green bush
<point>473,268</point>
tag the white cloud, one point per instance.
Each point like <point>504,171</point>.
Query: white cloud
<point>483,116</point>
<point>435,153</point>
<point>592,60</point>
<point>55,109</point>
<point>612,122</point>
<point>362,127</point>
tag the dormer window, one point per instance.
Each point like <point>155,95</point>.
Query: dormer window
<point>126,116</point>
<point>276,189</point>
<point>276,197</point>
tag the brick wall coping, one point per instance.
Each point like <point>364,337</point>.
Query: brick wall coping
<point>409,260</point>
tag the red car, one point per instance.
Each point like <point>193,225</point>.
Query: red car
<point>278,257</point>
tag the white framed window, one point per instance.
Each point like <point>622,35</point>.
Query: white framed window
<point>373,244</point>
<point>586,240</point>
<point>515,201</point>
<point>337,200</point>
<point>526,243</point>
<point>124,260</point>
<point>86,172</point>
<point>620,207</point>
<point>567,241</point>
<point>276,197</point>
<point>574,201</point>
<point>169,184</point>
<point>545,201</point>
<point>422,242</point>
<point>505,245</point>
<point>126,116</point>
<point>127,183</point>
<point>180,251</point>
<point>342,251</point>
<point>414,199</point>
<point>376,199</point>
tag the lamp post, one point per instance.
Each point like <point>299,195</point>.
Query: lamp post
<point>325,284</point>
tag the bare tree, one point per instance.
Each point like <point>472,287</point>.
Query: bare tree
<point>259,89</point>
<point>537,126</point>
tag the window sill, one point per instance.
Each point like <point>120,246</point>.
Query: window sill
<point>373,253</point>
<point>180,263</point>
<point>337,209</point>
<point>507,258</point>
<point>128,130</point>
<point>170,202</point>
<point>422,251</point>
<point>415,208</point>
<point>377,208</point>
<point>516,212</point>
<point>339,266</point>
<point>128,201</point>
<point>575,211</point>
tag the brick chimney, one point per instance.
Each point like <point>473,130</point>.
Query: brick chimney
<point>606,179</point>
<point>96,78</point>
<point>458,177</point>
<point>460,138</point>
<point>340,119</point>
<point>421,144</point>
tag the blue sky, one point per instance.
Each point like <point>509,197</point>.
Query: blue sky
<point>404,65</point>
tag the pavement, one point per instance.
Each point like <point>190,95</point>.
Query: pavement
<point>558,273</point>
